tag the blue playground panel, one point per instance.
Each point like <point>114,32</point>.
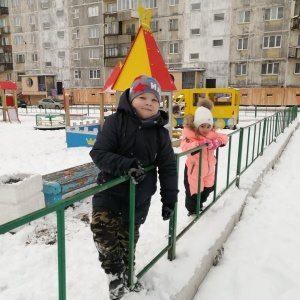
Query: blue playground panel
<point>57,184</point>
<point>82,135</point>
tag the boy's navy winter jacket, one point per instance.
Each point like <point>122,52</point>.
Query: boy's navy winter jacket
<point>124,140</point>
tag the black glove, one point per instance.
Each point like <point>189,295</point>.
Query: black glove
<point>167,211</point>
<point>137,174</point>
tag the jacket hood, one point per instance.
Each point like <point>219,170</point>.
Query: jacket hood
<point>161,119</point>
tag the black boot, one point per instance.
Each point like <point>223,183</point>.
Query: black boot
<point>117,286</point>
<point>137,286</point>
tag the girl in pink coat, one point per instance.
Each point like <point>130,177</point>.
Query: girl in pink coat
<point>198,130</point>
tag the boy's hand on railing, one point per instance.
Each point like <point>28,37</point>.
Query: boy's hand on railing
<point>137,174</point>
<point>167,211</point>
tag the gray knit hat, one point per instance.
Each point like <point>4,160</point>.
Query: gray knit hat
<point>203,116</point>
<point>144,84</point>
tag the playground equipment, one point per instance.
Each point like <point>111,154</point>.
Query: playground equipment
<point>226,105</point>
<point>82,135</point>
<point>50,121</point>
<point>10,104</point>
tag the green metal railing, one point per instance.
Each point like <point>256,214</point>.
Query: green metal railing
<point>251,142</point>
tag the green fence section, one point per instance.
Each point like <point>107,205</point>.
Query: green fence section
<point>251,142</point>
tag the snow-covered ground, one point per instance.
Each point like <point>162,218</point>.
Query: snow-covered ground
<point>259,262</point>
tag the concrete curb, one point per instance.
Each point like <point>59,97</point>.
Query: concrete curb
<point>188,292</point>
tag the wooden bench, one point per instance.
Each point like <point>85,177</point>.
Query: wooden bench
<point>64,183</point>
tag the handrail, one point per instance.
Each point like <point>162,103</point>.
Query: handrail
<point>277,122</point>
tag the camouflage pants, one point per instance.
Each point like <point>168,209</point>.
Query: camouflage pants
<point>110,234</point>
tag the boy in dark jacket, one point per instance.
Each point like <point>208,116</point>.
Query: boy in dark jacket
<point>131,139</point>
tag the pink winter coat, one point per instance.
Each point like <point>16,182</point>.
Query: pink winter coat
<point>190,141</point>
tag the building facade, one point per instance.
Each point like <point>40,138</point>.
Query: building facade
<point>76,43</point>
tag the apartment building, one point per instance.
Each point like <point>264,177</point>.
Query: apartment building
<point>204,43</point>
<point>6,62</point>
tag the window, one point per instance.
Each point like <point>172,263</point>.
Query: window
<point>17,21</point>
<point>195,31</point>
<point>94,53</point>
<point>34,57</point>
<point>61,34</point>
<point>174,2</point>
<point>270,68</point>
<point>241,69</point>
<point>219,17</point>
<point>20,58</point>
<point>244,16</point>
<point>151,4</point>
<point>274,13</point>
<point>19,76</point>
<point>61,54</point>
<point>32,38</point>
<point>195,6</point>
<point>94,74</point>
<point>48,64</point>
<point>127,4</point>
<point>154,25</point>
<point>75,13</point>
<point>217,43</point>
<point>297,68</point>
<point>130,29</point>
<point>60,13</point>
<point>18,39</point>
<point>173,25</point>
<point>30,2</point>
<point>2,22</point>
<point>93,11</point>
<point>242,43</point>
<point>299,40</point>
<point>15,3</point>
<point>77,74</point>
<point>194,56</point>
<point>93,32</point>
<point>272,41</point>
<point>111,50</point>
<point>111,7</point>
<point>75,34</point>
<point>297,9</point>
<point>46,25</point>
<point>8,76</point>
<point>173,48</point>
<point>47,45</point>
<point>5,41</point>
<point>31,19</point>
<point>76,55</point>
<point>45,4</point>
<point>112,28</point>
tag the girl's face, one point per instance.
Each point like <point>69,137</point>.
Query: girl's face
<point>146,105</point>
<point>204,129</point>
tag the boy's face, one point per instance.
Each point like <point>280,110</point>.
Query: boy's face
<point>204,129</point>
<point>146,105</point>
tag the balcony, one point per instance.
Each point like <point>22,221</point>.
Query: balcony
<point>6,48</point>
<point>295,23</point>
<point>294,52</point>
<point>3,11</point>
<point>5,30</point>
<point>116,50</point>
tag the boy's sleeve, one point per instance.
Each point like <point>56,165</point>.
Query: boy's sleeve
<point>167,170</point>
<point>105,150</point>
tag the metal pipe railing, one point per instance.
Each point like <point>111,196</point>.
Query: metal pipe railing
<point>281,120</point>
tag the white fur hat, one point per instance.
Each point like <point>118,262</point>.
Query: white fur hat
<point>203,116</point>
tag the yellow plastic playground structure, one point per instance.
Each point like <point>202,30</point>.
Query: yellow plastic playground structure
<point>226,105</point>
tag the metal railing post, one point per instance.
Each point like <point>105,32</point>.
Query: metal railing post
<point>263,137</point>
<point>131,234</point>
<point>239,161</point>
<point>61,249</point>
